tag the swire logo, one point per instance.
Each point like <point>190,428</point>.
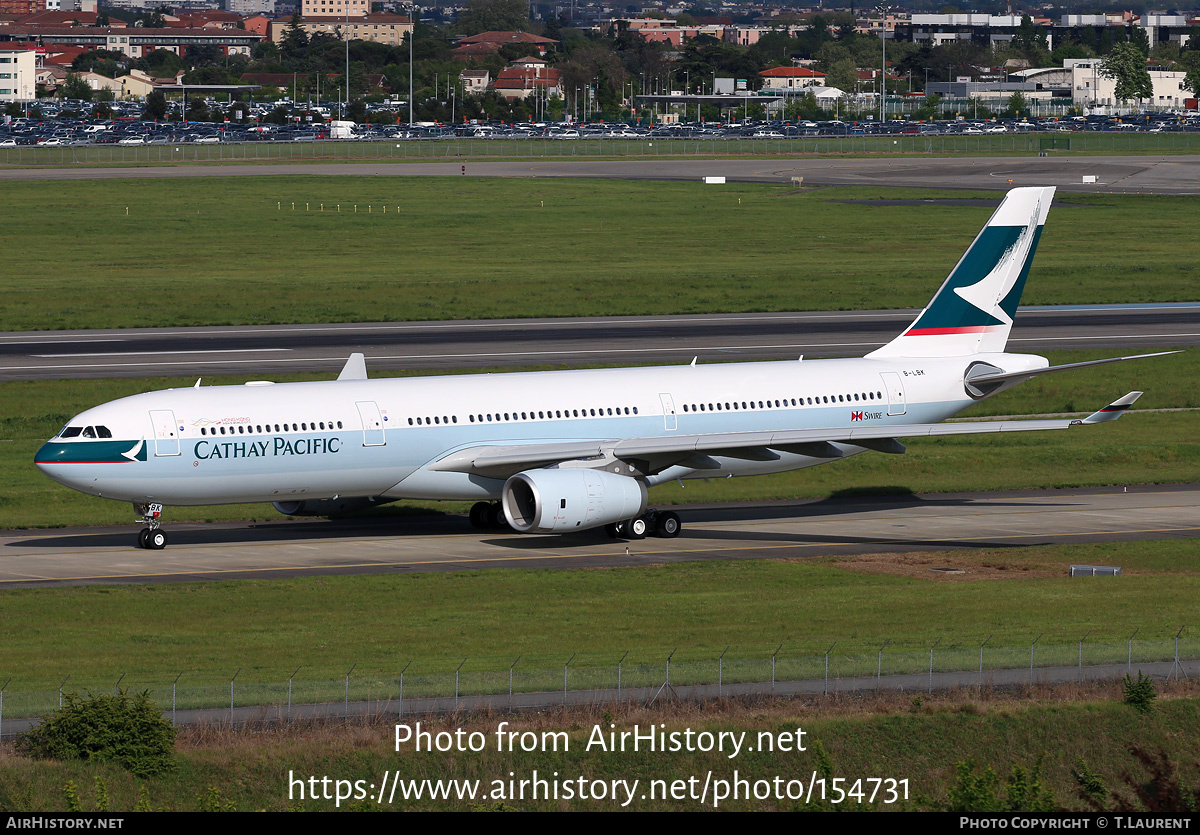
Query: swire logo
<point>856,416</point>
<point>865,416</point>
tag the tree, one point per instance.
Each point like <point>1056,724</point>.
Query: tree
<point>1017,104</point>
<point>294,46</point>
<point>1127,65</point>
<point>494,16</point>
<point>156,106</point>
<point>76,88</point>
<point>1190,59</point>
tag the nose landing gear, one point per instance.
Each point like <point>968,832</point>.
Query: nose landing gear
<point>151,537</point>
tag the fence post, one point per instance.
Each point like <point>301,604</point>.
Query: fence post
<point>460,666</point>
<point>1031,646</point>
<point>931,649</point>
<point>1081,640</point>
<point>400,709</point>
<point>619,663</point>
<point>174,684</point>
<point>568,664</point>
<point>235,675</point>
<point>831,646</point>
<point>721,674</point>
<point>510,682</point>
<point>669,657</point>
<point>1129,659</point>
<point>1176,669</point>
<point>293,675</point>
<point>981,646</point>
<point>68,678</point>
<point>879,665</point>
<point>2,689</point>
<point>347,702</point>
<point>774,655</point>
<point>117,686</point>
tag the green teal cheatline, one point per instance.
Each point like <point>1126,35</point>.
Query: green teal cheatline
<point>91,452</point>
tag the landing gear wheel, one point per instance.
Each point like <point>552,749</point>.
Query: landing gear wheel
<point>636,528</point>
<point>618,529</point>
<point>611,530</point>
<point>668,525</point>
<point>496,518</point>
<point>156,540</point>
<point>143,537</point>
<point>479,514</point>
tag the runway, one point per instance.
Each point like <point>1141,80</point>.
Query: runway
<point>780,530</point>
<point>273,350</point>
<point>1146,174</point>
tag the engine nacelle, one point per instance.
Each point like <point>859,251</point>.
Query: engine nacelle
<point>328,507</point>
<point>557,501</point>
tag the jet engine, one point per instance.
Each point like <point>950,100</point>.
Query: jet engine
<point>559,500</point>
<point>328,507</point>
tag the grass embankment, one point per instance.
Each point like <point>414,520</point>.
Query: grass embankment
<point>434,621</point>
<point>918,739</point>
<point>218,251</point>
<point>1141,448</point>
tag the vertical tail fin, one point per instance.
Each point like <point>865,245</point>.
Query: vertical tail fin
<point>973,311</point>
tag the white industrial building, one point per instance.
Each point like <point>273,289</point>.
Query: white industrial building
<point>18,75</point>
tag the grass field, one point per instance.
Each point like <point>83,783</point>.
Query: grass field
<point>1073,144</point>
<point>920,740</point>
<point>381,623</point>
<point>220,251</point>
<point>1146,447</point>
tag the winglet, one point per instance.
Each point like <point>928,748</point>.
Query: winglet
<point>1113,410</point>
<point>355,368</point>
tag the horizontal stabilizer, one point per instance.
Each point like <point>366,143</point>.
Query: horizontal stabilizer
<point>1025,375</point>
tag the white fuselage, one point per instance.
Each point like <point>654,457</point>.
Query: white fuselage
<point>285,442</point>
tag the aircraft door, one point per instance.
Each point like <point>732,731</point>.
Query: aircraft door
<point>670,421</point>
<point>372,423</point>
<point>894,387</point>
<point>166,432</point>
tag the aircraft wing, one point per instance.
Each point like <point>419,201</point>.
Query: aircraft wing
<point>655,454</point>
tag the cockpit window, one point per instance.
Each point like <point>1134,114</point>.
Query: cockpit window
<point>71,432</point>
<point>89,432</point>
<point>103,432</point>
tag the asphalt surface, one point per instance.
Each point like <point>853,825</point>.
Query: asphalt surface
<point>563,342</point>
<point>798,529</point>
<point>1147,174</point>
<point>292,548</point>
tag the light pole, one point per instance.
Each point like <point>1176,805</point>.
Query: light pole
<point>347,107</point>
<point>412,36</point>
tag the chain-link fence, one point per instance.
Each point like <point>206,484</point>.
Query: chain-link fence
<point>824,666</point>
<point>465,149</point>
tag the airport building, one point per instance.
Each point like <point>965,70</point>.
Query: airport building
<point>18,74</point>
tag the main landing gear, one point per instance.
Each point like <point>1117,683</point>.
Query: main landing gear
<point>488,516</point>
<point>663,524</point>
<point>152,537</point>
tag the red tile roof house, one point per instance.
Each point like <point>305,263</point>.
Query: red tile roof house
<point>791,78</point>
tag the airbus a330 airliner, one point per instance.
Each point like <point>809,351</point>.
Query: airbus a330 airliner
<point>561,451</point>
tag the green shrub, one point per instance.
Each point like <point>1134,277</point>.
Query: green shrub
<point>128,731</point>
<point>1140,694</point>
